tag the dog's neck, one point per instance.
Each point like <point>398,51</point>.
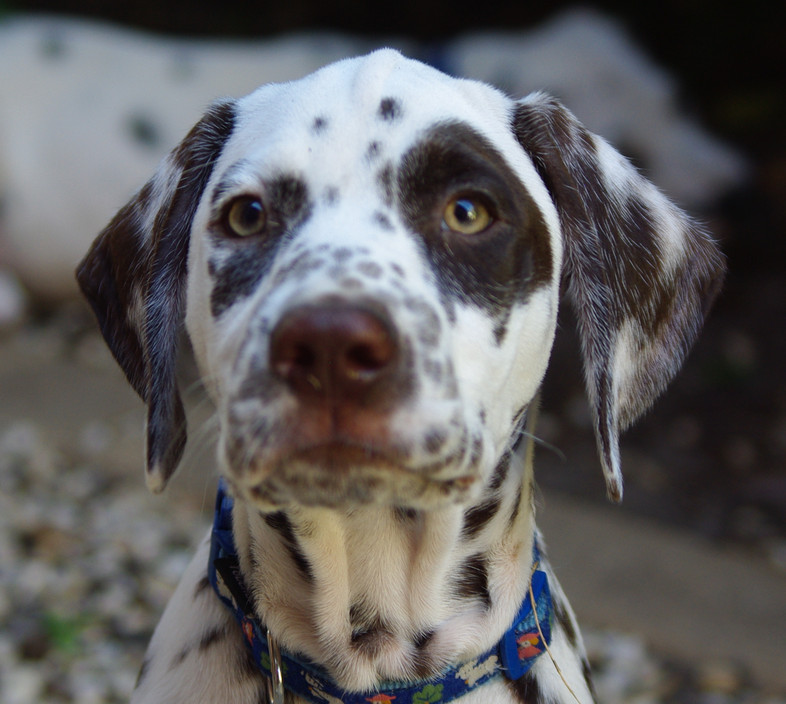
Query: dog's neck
<point>378,593</point>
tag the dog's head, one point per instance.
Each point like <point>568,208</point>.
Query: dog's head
<point>369,263</point>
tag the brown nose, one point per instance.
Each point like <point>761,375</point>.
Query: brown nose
<point>336,352</point>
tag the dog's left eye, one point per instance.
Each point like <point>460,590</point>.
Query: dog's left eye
<point>466,215</point>
<point>246,216</point>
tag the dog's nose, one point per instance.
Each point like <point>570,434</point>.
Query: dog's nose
<point>336,352</point>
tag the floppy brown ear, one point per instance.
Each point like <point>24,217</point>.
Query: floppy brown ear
<point>134,278</point>
<point>641,274</point>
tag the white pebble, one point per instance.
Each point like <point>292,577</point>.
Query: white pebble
<point>22,685</point>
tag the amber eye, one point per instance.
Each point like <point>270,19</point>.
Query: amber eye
<point>246,216</point>
<point>467,216</point>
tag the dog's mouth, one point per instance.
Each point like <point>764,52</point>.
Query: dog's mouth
<point>339,457</point>
<point>343,474</point>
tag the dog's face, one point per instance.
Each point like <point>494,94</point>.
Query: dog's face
<point>361,269</point>
<point>369,262</point>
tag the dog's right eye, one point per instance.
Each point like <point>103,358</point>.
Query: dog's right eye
<point>466,216</point>
<point>246,216</point>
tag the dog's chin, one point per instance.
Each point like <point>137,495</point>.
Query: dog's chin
<point>342,476</point>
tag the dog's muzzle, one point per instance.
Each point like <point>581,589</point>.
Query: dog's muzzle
<point>337,373</point>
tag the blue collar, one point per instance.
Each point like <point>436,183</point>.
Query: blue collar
<point>512,656</point>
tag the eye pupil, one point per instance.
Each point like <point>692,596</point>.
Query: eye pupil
<point>246,217</point>
<point>251,213</point>
<point>465,211</point>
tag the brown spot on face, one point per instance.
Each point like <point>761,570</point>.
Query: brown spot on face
<point>342,254</point>
<point>370,269</point>
<point>428,324</point>
<point>350,283</point>
<point>319,125</point>
<point>398,270</point>
<point>383,221</point>
<point>373,150</point>
<point>477,451</point>
<point>386,179</point>
<point>390,110</point>
<point>501,330</point>
<point>304,263</point>
<point>435,440</point>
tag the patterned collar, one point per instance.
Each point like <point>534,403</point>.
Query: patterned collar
<point>511,657</point>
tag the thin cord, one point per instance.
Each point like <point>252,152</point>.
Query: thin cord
<point>543,640</point>
<point>529,461</point>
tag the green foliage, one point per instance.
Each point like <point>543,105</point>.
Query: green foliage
<point>63,632</point>
<point>430,694</point>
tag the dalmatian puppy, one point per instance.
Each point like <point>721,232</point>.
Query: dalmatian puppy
<point>368,263</point>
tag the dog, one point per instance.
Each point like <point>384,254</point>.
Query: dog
<point>368,263</point>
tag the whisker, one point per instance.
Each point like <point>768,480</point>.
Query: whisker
<point>522,433</point>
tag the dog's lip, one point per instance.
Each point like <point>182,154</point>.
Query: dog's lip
<point>341,474</point>
<point>341,456</point>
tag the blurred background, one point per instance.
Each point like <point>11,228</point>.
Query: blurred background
<point>681,590</point>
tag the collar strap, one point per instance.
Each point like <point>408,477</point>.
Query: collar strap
<point>512,656</point>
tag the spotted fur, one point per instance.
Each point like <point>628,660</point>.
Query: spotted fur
<point>373,363</point>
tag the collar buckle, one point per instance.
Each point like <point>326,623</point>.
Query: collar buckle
<point>275,683</point>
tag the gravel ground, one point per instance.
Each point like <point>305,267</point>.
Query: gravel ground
<point>79,599</point>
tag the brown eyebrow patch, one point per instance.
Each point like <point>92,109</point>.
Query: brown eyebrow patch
<point>504,264</point>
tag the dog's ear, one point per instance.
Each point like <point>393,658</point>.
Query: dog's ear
<point>640,273</point>
<point>134,278</point>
